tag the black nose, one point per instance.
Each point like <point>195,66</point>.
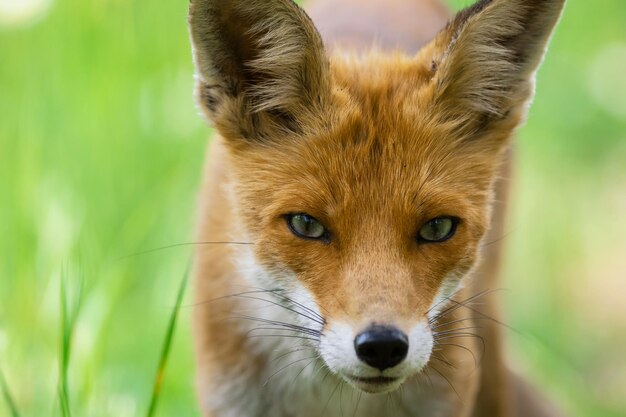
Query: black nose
<point>381,347</point>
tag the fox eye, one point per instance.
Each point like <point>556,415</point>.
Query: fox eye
<point>438,230</point>
<point>306,227</point>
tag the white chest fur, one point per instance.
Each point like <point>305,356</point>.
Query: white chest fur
<point>307,389</point>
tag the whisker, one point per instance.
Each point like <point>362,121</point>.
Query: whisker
<point>305,366</point>
<point>316,320</point>
<point>177,245</point>
<point>277,323</point>
<point>402,392</point>
<point>449,323</point>
<point>358,402</point>
<point>283,335</point>
<point>460,329</point>
<point>465,348</point>
<point>341,399</point>
<point>296,349</point>
<point>331,396</point>
<point>313,316</point>
<point>448,381</point>
<point>279,329</point>
<point>319,370</point>
<point>453,334</point>
<point>279,292</point>
<point>444,361</point>
<point>486,317</point>
<point>501,238</point>
<point>429,380</point>
<point>285,367</point>
<point>302,306</point>
<point>459,304</point>
<point>459,336</point>
<point>291,326</point>
<point>325,376</point>
<point>225,297</point>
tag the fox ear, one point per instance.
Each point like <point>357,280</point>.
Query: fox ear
<point>483,63</point>
<point>261,66</point>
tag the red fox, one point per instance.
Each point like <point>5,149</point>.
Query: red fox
<point>349,204</point>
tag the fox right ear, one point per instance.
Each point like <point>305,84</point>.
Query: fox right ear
<point>483,63</point>
<point>261,66</point>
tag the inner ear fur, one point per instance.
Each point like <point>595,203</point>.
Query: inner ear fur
<point>261,66</point>
<point>484,62</point>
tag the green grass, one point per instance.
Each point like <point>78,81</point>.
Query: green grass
<point>101,150</point>
<point>8,397</point>
<point>69,315</point>
<point>167,346</point>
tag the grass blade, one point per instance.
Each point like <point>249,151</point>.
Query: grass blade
<point>167,344</point>
<point>69,316</point>
<point>6,393</point>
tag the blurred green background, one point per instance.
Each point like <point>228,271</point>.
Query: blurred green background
<point>101,149</point>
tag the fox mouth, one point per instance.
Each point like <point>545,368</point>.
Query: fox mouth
<point>374,385</point>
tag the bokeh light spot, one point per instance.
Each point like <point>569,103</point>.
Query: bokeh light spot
<point>18,13</point>
<point>607,83</point>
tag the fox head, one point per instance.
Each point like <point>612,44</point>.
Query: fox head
<point>365,182</point>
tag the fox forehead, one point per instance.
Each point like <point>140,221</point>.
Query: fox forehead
<point>375,148</point>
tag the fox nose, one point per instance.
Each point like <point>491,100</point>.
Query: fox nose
<point>381,347</point>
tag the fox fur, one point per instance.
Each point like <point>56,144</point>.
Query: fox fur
<point>396,114</point>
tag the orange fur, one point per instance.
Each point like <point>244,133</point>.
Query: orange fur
<point>373,145</point>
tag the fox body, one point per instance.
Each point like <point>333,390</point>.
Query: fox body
<point>348,201</point>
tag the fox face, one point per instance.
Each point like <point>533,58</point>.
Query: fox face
<point>374,219</point>
<point>365,183</point>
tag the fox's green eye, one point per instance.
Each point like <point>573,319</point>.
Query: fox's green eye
<point>438,230</point>
<point>306,227</point>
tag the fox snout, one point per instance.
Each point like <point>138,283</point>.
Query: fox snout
<point>381,347</point>
<point>379,358</point>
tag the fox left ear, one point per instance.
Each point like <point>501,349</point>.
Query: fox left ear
<point>260,64</point>
<point>483,63</point>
